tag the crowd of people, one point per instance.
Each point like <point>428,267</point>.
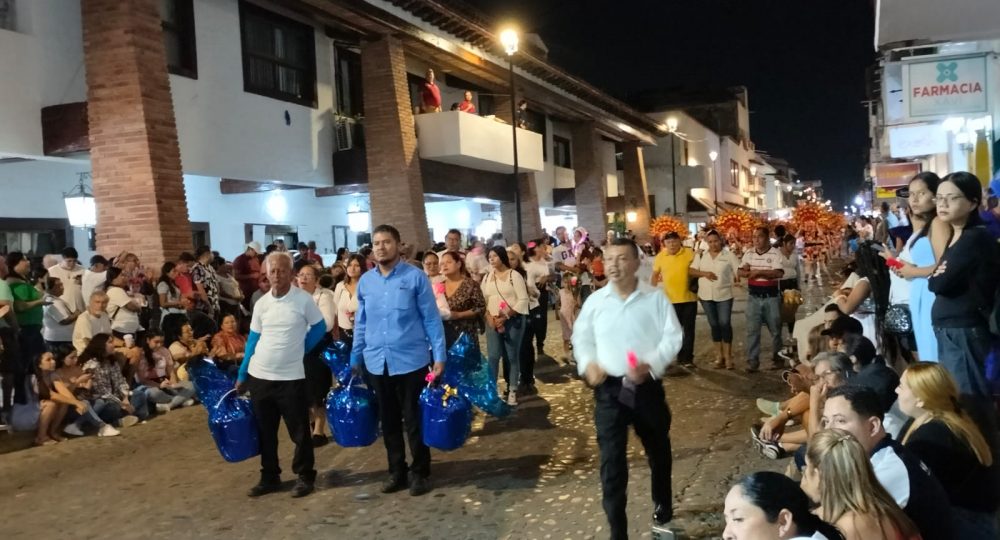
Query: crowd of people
<point>889,420</point>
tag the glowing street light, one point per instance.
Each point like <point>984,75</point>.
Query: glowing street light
<point>672,124</point>
<point>509,39</point>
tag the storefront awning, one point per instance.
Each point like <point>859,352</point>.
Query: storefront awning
<point>697,205</point>
<point>734,206</point>
<point>900,21</point>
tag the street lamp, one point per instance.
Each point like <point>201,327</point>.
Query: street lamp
<point>80,207</point>
<point>509,39</point>
<point>672,129</point>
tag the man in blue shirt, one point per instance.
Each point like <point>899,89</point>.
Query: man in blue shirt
<point>397,330</point>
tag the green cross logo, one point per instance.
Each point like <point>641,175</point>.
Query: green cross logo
<point>947,72</point>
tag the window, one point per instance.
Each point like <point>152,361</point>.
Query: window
<point>177,21</point>
<point>8,17</point>
<point>350,100</point>
<point>279,56</point>
<point>734,173</point>
<point>561,152</point>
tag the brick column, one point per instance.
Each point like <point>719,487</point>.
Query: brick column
<point>636,192</point>
<point>531,219</point>
<point>395,185</point>
<point>591,189</point>
<point>135,158</point>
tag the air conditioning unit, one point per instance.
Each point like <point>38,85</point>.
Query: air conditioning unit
<point>345,134</point>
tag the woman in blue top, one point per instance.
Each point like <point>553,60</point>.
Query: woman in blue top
<point>919,256</point>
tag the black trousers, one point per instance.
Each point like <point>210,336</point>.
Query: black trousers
<point>540,323</point>
<point>399,407</point>
<point>273,401</point>
<point>651,420</point>
<point>533,332</point>
<point>686,314</point>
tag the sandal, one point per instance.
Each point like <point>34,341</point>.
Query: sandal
<point>719,364</point>
<point>46,442</point>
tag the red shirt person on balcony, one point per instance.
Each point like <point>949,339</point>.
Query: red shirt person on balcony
<point>467,105</point>
<point>430,95</point>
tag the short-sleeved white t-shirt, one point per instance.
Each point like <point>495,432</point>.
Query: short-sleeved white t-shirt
<point>563,254</point>
<point>282,324</point>
<point>122,320</point>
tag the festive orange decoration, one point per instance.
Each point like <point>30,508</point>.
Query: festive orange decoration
<point>666,224</point>
<point>736,221</point>
<point>813,216</point>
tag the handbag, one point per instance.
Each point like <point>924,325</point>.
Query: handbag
<point>898,319</point>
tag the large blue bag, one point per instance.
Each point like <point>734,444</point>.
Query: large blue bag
<point>234,427</point>
<point>337,357</point>
<point>445,416</point>
<point>468,372</point>
<point>209,381</point>
<point>350,410</point>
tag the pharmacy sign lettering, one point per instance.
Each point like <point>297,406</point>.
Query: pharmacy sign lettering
<point>945,87</point>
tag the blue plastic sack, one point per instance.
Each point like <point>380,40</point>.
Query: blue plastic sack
<point>337,357</point>
<point>350,409</point>
<point>445,417</point>
<point>234,427</point>
<point>209,381</point>
<point>468,371</point>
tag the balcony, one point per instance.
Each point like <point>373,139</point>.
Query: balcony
<point>476,142</point>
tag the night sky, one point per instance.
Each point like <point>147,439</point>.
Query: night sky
<point>803,63</point>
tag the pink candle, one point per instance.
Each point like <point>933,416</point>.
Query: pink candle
<point>633,361</point>
<point>503,305</point>
<point>439,288</point>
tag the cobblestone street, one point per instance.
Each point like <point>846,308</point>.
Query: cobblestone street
<point>533,475</point>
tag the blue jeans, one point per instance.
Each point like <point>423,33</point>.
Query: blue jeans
<point>962,351</point>
<point>973,525</point>
<point>90,417</point>
<point>509,341</point>
<point>762,310</point>
<point>171,396</point>
<point>719,316</point>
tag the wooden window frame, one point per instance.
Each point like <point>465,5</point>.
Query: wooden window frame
<point>184,28</point>
<point>556,141</point>
<point>308,68</point>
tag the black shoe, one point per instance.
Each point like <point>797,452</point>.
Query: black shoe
<point>394,484</point>
<point>533,389</point>
<point>320,440</point>
<point>263,488</point>
<point>419,486</point>
<point>302,488</point>
<point>662,515</point>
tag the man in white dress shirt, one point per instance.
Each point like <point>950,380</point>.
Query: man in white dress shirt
<point>628,317</point>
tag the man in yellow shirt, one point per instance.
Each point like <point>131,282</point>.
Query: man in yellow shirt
<point>671,267</point>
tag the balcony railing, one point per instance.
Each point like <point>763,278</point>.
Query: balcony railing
<point>477,142</point>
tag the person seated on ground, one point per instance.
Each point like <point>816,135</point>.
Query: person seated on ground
<point>832,370</point>
<point>157,372</point>
<point>110,389</point>
<point>821,318</point>
<point>944,437</point>
<point>228,345</point>
<point>839,329</point>
<point>858,410</point>
<point>839,477</point>
<point>74,386</point>
<point>770,506</point>
<point>183,346</point>
<point>868,299</point>
<point>51,405</point>
<point>201,324</point>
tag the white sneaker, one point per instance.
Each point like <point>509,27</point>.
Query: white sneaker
<point>512,399</point>
<point>130,420</point>
<point>163,408</point>
<point>188,403</point>
<point>73,429</point>
<point>108,431</point>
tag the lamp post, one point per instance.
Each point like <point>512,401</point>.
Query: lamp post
<point>713,155</point>
<point>81,208</point>
<point>509,39</point>
<point>672,129</point>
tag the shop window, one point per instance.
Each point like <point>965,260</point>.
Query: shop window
<point>279,56</point>
<point>177,21</point>
<point>734,173</point>
<point>561,154</point>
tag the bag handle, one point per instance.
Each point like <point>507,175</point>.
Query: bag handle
<point>224,396</point>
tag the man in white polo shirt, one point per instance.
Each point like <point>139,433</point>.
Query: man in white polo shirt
<point>285,324</point>
<point>762,267</point>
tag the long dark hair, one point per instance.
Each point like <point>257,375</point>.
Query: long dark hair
<point>773,492</point>
<point>362,263</point>
<point>972,189</point>
<point>43,381</point>
<point>165,278</point>
<point>869,265</point>
<point>13,259</point>
<point>932,181</point>
<point>113,273</point>
<point>172,326</point>
<point>150,334</point>
<point>500,252</point>
<point>96,349</point>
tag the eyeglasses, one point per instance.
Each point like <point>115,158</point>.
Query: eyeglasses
<point>947,200</point>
